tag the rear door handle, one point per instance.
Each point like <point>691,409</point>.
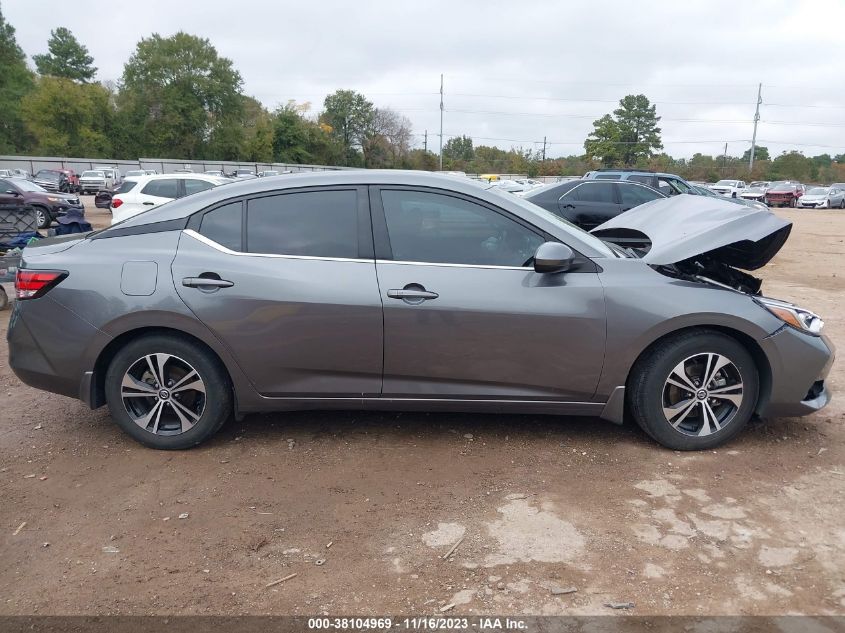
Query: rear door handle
<point>206,282</point>
<point>149,203</point>
<point>412,294</point>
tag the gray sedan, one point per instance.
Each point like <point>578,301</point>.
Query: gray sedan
<point>398,290</point>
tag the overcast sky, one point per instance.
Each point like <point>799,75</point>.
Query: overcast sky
<point>514,71</point>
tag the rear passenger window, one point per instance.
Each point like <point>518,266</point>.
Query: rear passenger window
<point>633,195</point>
<point>646,180</point>
<point>166,188</point>
<point>127,185</point>
<point>223,225</point>
<point>595,192</point>
<point>194,186</point>
<point>313,223</point>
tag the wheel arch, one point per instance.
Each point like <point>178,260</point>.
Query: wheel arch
<point>107,354</point>
<point>761,361</point>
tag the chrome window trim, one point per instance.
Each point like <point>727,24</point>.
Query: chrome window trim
<point>209,242</point>
<point>446,265</point>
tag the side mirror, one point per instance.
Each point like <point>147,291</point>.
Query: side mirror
<point>12,192</point>
<point>553,257</point>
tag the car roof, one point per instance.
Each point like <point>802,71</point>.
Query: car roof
<point>184,207</point>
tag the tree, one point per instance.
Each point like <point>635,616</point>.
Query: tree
<point>15,82</point>
<point>627,136</point>
<point>638,132</point>
<point>760,153</point>
<point>387,139</point>
<point>67,58</point>
<point>68,119</point>
<point>603,142</point>
<point>349,115</point>
<point>178,94</point>
<point>459,148</point>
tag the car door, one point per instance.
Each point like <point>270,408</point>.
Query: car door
<point>590,203</point>
<point>466,316</point>
<point>9,195</point>
<point>287,282</point>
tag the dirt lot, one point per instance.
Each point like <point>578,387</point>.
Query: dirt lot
<point>90,522</point>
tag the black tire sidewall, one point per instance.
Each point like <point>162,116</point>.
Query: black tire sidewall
<point>647,401</point>
<point>218,405</point>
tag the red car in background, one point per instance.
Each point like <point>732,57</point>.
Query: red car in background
<point>783,194</point>
<point>73,179</point>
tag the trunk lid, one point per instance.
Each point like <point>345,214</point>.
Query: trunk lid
<point>687,227</point>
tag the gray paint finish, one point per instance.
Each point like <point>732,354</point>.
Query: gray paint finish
<point>321,332</point>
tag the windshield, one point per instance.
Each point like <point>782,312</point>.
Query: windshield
<point>25,185</point>
<point>727,183</point>
<point>592,240</point>
<point>92,174</point>
<point>704,191</point>
<point>818,191</point>
<point>781,184</point>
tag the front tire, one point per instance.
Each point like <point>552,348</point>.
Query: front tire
<point>168,393</point>
<point>42,218</point>
<point>694,391</point>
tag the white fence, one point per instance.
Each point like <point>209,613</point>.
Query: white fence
<point>162,165</point>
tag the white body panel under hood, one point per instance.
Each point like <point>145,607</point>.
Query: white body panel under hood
<point>685,227</point>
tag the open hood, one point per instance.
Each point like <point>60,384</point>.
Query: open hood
<point>686,227</point>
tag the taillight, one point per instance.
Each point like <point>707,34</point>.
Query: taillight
<point>116,202</point>
<point>31,284</point>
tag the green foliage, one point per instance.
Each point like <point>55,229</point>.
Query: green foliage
<point>458,148</point>
<point>15,82</point>
<point>67,58</point>
<point>297,139</point>
<point>760,153</point>
<point>68,119</point>
<point>180,94</point>
<point>349,116</point>
<point>628,136</point>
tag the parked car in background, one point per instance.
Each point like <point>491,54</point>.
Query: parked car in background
<point>214,172</point>
<point>755,191</point>
<point>783,193</point>
<point>113,173</point>
<point>243,174</point>
<point>729,188</point>
<point>838,185</point>
<point>6,173</point>
<point>267,172</point>
<point>15,173</point>
<point>52,180</point>
<point>823,198</point>
<point>413,291</point>
<point>589,203</point>
<point>48,205</point>
<point>94,180</point>
<point>754,204</point>
<point>132,173</point>
<point>669,184</point>
<point>146,192</point>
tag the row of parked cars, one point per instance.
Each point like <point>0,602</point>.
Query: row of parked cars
<point>785,193</point>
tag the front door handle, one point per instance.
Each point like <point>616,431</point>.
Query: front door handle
<point>412,293</point>
<point>206,282</point>
<point>148,204</point>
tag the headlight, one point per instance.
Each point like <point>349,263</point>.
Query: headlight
<point>792,315</point>
<point>52,199</point>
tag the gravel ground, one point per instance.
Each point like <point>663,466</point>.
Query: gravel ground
<point>92,523</point>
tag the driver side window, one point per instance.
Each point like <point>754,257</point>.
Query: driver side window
<point>442,229</point>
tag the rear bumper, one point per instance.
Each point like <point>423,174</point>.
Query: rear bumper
<point>800,364</point>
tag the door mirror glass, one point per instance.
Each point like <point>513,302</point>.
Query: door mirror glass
<point>553,257</point>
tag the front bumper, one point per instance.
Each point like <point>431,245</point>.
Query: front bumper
<point>800,364</point>
<point>813,205</point>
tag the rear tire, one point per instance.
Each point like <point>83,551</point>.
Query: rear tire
<point>704,415</point>
<point>168,393</point>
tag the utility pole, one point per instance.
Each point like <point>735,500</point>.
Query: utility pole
<point>725,159</point>
<point>544,149</point>
<point>756,118</point>
<point>441,121</point>
<point>425,142</point>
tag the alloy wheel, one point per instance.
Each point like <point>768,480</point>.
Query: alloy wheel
<point>702,394</point>
<point>163,394</point>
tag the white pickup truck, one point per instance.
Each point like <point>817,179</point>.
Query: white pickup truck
<point>730,188</point>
